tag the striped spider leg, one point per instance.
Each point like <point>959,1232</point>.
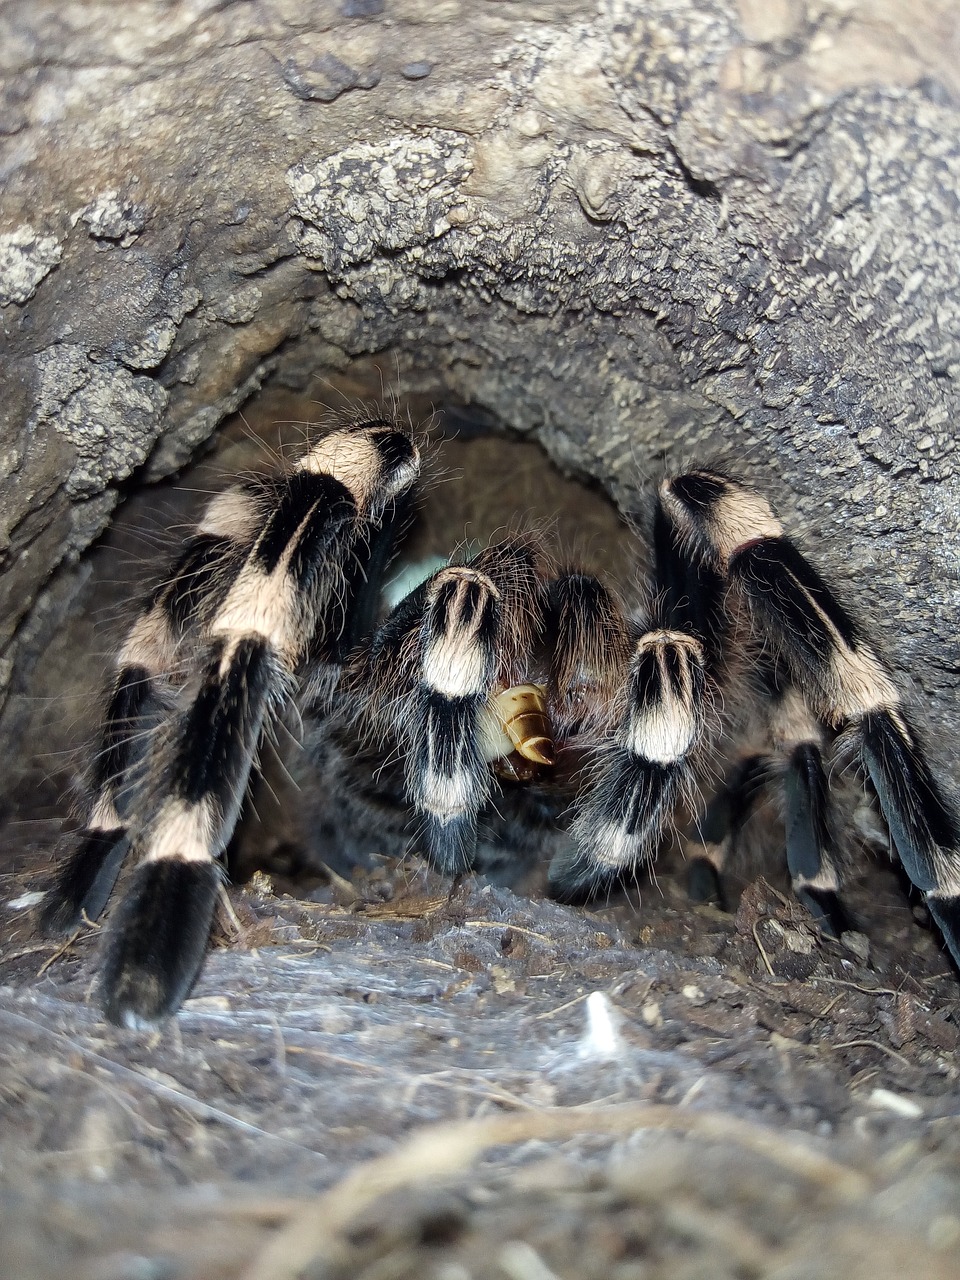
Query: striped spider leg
<point>845,685</point>
<point>791,757</point>
<point>645,766</point>
<point>264,586</point>
<point>448,677</point>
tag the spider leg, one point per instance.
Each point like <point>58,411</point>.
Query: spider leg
<point>922,824</point>
<point>795,758</point>
<point>843,679</point>
<point>86,878</point>
<point>691,593</point>
<point>692,598</point>
<point>158,935</point>
<point>718,830</point>
<point>289,584</point>
<point>447,776</point>
<point>447,676</point>
<point>647,767</point>
<point>645,771</point>
<point>808,833</point>
<point>139,694</point>
<point>807,812</point>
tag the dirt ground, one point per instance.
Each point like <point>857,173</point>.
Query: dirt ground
<point>399,1075</point>
<point>617,1094</point>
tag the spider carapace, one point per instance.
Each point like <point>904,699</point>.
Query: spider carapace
<point>497,671</point>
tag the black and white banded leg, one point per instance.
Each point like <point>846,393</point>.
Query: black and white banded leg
<point>646,768</point>
<point>448,779</point>
<point>793,762</point>
<point>287,587</point>
<point>140,695</point>
<point>442,668</point>
<point>644,772</point>
<point>717,831</point>
<point>843,679</point>
<point>800,743</point>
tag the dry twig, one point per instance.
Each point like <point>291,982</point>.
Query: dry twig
<point>445,1150</point>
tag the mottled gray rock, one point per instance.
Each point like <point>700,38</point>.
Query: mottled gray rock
<point>25,258</point>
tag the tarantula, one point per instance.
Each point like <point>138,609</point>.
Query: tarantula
<point>494,673</point>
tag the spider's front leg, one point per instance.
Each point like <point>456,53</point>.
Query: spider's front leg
<point>643,771</point>
<point>844,681</point>
<point>140,693</point>
<point>284,595</point>
<point>448,779</point>
<point>446,674</point>
<point>655,723</point>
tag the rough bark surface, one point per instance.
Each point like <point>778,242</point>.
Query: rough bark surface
<point>642,233</point>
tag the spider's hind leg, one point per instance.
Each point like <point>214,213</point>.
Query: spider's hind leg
<point>794,761</point>
<point>923,825</point>
<point>718,830</point>
<point>646,768</point>
<point>808,818</point>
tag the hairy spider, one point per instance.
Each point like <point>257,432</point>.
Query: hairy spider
<point>499,694</point>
